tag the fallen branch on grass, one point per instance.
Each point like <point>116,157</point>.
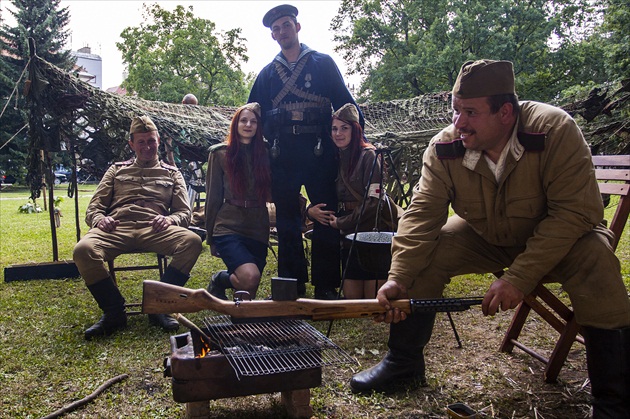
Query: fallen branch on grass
<point>72,406</point>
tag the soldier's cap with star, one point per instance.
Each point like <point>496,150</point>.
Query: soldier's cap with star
<point>141,124</point>
<point>347,113</point>
<point>278,12</point>
<point>484,78</point>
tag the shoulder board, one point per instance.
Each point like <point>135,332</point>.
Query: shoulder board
<point>125,163</point>
<point>168,166</point>
<point>532,141</point>
<point>216,147</point>
<point>450,150</point>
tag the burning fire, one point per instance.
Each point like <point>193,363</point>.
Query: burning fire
<point>205,348</point>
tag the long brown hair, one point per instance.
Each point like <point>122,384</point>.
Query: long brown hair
<point>357,143</point>
<point>235,165</point>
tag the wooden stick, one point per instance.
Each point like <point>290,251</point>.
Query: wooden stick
<point>85,400</point>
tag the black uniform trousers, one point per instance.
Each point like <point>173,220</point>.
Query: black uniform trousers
<point>297,165</point>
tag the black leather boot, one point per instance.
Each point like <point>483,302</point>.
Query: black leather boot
<point>608,360</point>
<point>166,321</point>
<point>111,301</point>
<point>404,362</point>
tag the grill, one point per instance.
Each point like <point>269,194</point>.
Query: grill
<point>243,359</point>
<point>254,349</point>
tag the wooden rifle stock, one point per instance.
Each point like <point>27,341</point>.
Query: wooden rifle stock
<point>159,297</point>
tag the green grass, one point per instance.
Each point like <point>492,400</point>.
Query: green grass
<point>46,364</point>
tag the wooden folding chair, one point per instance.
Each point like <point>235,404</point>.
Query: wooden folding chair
<point>613,175</point>
<point>160,265</point>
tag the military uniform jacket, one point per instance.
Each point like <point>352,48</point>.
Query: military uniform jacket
<point>358,180</point>
<point>545,200</point>
<point>223,218</point>
<point>131,191</point>
<point>320,76</point>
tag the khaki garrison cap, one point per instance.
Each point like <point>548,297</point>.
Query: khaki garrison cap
<point>142,124</point>
<point>278,12</point>
<point>347,113</point>
<point>484,78</point>
<point>252,106</point>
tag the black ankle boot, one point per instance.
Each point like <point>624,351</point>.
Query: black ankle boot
<point>111,301</point>
<point>608,360</point>
<point>219,283</point>
<point>404,362</point>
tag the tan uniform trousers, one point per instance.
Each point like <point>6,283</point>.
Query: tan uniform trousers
<point>590,273</point>
<point>97,246</point>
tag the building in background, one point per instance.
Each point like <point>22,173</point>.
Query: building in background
<point>89,67</point>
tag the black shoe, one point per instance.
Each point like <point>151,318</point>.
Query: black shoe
<point>301,290</point>
<point>215,288</point>
<point>165,321</point>
<point>107,324</point>
<point>326,294</point>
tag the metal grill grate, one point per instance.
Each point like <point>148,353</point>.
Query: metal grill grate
<point>254,349</point>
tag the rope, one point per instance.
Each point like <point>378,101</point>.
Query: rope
<point>15,88</point>
<point>14,135</point>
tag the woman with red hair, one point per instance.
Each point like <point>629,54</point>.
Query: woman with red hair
<point>356,160</point>
<point>238,186</point>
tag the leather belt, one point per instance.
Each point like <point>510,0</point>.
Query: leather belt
<point>301,129</point>
<point>244,203</point>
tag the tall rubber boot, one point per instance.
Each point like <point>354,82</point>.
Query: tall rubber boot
<point>608,360</point>
<point>404,362</point>
<point>166,321</point>
<point>111,301</point>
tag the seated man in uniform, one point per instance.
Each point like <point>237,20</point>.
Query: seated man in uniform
<point>519,177</point>
<point>140,204</point>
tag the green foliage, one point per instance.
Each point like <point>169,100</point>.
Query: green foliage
<point>174,53</point>
<point>30,207</point>
<point>406,48</point>
<point>45,22</point>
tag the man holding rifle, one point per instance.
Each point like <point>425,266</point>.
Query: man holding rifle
<point>520,179</point>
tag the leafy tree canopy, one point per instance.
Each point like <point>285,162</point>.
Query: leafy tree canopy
<point>406,48</point>
<point>174,53</point>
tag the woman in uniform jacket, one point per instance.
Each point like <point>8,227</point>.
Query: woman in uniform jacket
<point>356,160</point>
<point>238,186</point>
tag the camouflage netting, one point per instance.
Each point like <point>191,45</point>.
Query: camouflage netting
<point>68,114</point>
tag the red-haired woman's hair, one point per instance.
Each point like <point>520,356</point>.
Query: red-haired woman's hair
<point>235,168</point>
<point>357,143</point>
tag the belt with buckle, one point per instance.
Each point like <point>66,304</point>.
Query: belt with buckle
<point>301,129</point>
<point>244,203</point>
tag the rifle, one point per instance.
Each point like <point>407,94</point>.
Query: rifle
<point>159,297</point>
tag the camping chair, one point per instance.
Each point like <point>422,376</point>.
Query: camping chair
<point>160,265</point>
<point>555,312</point>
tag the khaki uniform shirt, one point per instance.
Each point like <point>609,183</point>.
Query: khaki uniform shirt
<point>131,191</point>
<point>223,218</point>
<point>544,200</point>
